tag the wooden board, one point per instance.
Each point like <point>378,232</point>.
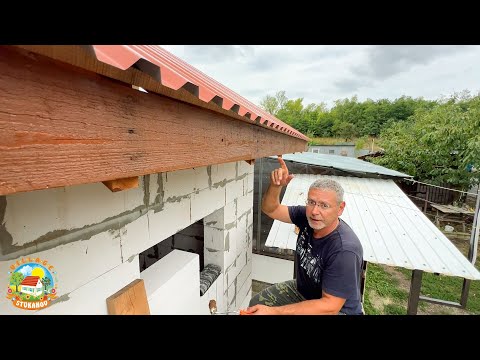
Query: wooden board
<point>61,126</point>
<point>131,300</point>
<point>122,184</point>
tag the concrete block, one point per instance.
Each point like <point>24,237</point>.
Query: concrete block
<point>231,273</point>
<point>221,299</point>
<point>244,273</point>
<point>243,290</point>
<point>90,299</point>
<point>31,215</point>
<point>231,293</point>
<point>229,170</point>
<point>244,204</point>
<point>206,202</point>
<point>248,184</point>
<point>230,213</point>
<point>214,257</point>
<point>243,168</point>
<point>154,187</point>
<point>178,183</point>
<point>135,237</point>
<point>217,174</point>
<point>201,178</point>
<point>173,284</point>
<point>233,190</point>
<point>76,263</point>
<point>214,239</point>
<point>174,217</point>
<point>246,301</point>
<point>215,220</point>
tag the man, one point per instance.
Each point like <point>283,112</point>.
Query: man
<point>329,255</point>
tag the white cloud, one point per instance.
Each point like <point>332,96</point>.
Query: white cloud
<point>26,270</point>
<point>324,73</point>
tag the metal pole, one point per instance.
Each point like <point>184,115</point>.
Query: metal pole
<point>472,251</point>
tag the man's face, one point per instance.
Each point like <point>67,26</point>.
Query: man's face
<point>326,211</point>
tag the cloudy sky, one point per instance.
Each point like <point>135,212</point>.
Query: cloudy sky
<point>324,73</point>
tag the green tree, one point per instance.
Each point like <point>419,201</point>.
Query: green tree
<point>437,144</point>
<point>345,130</point>
<point>273,104</point>
<point>16,279</point>
<point>46,282</point>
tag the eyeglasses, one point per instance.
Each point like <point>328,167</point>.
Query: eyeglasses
<point>321,205</point>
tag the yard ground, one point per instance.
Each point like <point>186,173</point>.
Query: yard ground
<point>386,290</point>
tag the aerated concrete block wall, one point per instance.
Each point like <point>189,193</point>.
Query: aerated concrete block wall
<point>92,237</point>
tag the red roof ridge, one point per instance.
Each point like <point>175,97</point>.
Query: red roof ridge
<point>175,73</point>
<point>30,280</point>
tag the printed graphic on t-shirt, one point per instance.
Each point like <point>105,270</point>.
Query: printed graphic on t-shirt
<point>309,262</point>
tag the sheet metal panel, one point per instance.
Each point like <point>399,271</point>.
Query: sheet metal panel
<point>392,230</point>
<point>342,163</point>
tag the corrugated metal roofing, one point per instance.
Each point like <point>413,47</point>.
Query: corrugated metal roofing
<point>392,230</point>
<point>342,163</point>
<point>175,73</point>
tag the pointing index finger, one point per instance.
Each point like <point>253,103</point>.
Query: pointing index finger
<point>282,162</point>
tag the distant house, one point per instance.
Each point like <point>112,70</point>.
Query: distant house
<point>342,149</point>
<point>32,285</point>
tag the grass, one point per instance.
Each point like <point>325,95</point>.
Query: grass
<point>360,143</point>
<point>384,295</point>
<point>326,141</point>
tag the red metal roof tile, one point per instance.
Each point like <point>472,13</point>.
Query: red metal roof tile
<point>175,73</point>
<point>30,281</point>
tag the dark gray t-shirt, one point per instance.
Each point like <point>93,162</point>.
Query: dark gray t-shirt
<point>332,263</point>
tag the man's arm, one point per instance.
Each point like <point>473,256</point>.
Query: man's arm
<point>271,199</point>
<point>327,305</point>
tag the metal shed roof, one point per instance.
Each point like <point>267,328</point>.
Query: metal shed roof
<point>175,73</point>
<point>392,230</point>
<point>342,163</point>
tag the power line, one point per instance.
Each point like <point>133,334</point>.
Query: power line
<point>441,187</point>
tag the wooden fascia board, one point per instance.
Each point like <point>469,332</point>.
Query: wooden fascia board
<point>61,125</point>
<point>83,57</point>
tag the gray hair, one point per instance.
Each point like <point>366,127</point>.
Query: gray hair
<point>328,184</point>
